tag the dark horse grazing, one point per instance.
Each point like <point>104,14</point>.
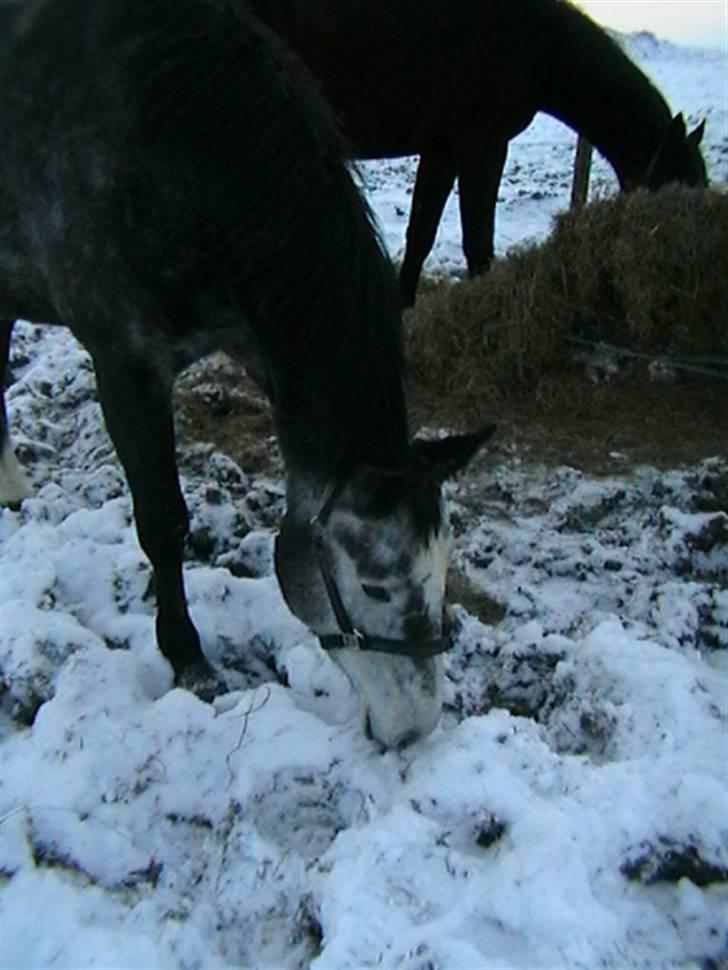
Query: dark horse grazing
<point>454,80</point>
<point>170,183</point>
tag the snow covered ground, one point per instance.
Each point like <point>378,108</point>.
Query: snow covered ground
<point>571,810</point>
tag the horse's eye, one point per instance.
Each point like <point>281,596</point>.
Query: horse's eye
<point>376,592</point>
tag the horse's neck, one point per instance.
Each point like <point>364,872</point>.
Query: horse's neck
<point>591,85</point>
<point>327,430</point>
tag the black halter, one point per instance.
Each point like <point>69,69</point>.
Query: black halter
<point>349,635</point>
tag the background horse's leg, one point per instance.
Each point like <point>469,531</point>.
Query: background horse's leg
<point>435,179</point>
<point>480,167</point>
<point>13,484</point>
<point>136,400</point>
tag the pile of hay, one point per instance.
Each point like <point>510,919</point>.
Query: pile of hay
<point>647,273</point>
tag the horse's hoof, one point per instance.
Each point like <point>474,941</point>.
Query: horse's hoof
<point>203,681</point>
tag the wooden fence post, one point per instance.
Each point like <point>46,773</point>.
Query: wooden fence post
<point>582,170</point>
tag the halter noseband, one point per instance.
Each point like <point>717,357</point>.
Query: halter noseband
<point>349,635</point>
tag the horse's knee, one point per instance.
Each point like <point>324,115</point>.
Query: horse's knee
<point>162,530</point>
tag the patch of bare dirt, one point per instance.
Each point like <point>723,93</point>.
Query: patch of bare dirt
<point>604,428</point>
<point>216,402</point>
<point>599,428</point>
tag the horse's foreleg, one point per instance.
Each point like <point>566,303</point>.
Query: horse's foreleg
<point>136,401</point>
<point>13,484</point>
<point>435,179</point>
<point>480,167</point>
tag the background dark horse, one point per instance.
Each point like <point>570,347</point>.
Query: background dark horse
<point>454,80</point>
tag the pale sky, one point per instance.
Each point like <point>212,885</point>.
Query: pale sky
<point>703,22</point>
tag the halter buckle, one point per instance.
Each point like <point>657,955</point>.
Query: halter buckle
<point>355,639</point>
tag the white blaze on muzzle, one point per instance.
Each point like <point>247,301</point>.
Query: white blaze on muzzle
<point>401,698</point>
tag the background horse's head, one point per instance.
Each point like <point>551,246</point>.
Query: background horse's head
<point>678,159</point>
<point>364,566</point>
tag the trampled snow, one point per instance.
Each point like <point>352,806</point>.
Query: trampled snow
<point>571,810</point>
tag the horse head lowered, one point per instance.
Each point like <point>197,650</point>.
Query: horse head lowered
<point>364,566</point>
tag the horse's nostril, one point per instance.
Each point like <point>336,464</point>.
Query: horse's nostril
<point>407,739</point>
<point>395,745</point>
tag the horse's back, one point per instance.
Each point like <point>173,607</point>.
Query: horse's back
<point>172,181</point>
<point>405,75</point>
<point>141,140</point>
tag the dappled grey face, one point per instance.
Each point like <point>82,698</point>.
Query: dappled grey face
<point>396,576</point>
<point>386,544</point>
<point>390,568</point>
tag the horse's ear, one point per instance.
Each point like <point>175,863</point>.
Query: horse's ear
<point>445,457</point>
<point>676,131</point>
<point>696,135</point>
<point>678,123</point>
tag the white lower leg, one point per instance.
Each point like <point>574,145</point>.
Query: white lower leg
<point>14,486</point>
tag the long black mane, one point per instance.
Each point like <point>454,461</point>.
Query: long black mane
<point>341,375</point>
<point>588,81</point>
